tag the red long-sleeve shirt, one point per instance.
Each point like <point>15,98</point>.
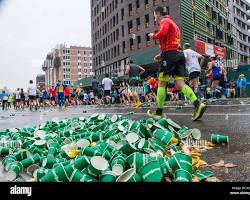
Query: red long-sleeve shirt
<point>168,35</point>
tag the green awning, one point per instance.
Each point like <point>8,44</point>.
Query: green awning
<point>145,58</point>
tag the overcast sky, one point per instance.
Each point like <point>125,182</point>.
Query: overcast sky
<point>29,29</point>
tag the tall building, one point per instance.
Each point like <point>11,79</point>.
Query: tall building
<point>68,64</point>
<point>120,31</point>
<point>240,19</point>
<point>40,81</point>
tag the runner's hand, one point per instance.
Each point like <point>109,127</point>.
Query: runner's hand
<point>151,35</point>
<point>157,58</point>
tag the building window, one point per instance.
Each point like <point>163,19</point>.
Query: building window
<point>138,42</point>
<point>123,47</point>
<point>148,41</point>
<point>122,13</point>
<point>138,23</point>
<point>131,41</point>
<point>146,4</point>
<point>147,20</point>
<point>130,26</point>
<point>130,9</point>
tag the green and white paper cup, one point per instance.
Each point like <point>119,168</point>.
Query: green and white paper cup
<point>108,177</point>
<point>15,169</point>
<point>97,165</point>
<point>182,175</point>
<point>129,176</point>
<point>219,139</point>
<point>53,149</point>
<point>118,165</point>
<point>151,172</point>
<point>203,175</point>
<point>163,135</point>
<point>31,160</point>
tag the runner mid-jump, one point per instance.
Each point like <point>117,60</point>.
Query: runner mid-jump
<point>172,64</point>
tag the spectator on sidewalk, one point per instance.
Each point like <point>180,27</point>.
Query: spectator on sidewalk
<point>107,84</point>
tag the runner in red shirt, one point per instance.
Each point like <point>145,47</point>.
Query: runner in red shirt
<point>153,83</point>
<point>67,94</point>
<point>52,92</point>
<point>172,64</point>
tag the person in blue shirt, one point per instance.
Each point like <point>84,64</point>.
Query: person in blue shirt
<point>242,85</point>
<point>45,97</point>
<point>4,100</point>
<point>60,92</point>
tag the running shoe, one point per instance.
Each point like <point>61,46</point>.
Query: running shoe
<point>154,115</point>
<point>138,104</point>
<point>199,111</point>
<point>134,104</point>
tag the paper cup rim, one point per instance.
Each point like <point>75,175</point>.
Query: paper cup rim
<point>99,163</point>
<point>125,176</point>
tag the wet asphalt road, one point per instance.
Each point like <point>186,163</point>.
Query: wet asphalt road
<point>224,117</point>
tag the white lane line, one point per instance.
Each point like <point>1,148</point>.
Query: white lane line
<point>190,106</point>
<point>173,114</point>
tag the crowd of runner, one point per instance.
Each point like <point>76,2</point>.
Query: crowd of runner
<point>176,63</point>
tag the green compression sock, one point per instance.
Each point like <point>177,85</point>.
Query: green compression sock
<point>161,97</point>
<point>188,92</point>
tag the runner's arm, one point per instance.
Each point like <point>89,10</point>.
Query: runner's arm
<point>127,69</point>
<point>142,70</point>
<point>164,27</point>
<point>202,62</point>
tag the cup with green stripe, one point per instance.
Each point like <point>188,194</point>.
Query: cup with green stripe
<point>15,169</point>
<point>127,148</point>
<point>182,175</point>
<point>157,146</point>
<point>151,172</point>
<point>88,179</point>
<point>219,139</point>
<point>109,133</point>
<point>5,151</point>
<point>39,173</point>
<point>22,155</point>
<point>27,144</point>
<point>40,143</point>
<point>49,162</point>
<point>108,177</point>
<point>64,163</point>
<point>163,122</point>
<point>90,151</point>
<point>137,160</point>
<point>118,165</point>
<point>163,135</point>
<point>184,162</point>
<point>8,160</point>
<point>53,149</point>
<point>34,150</point>
<point>63,154</point>
<point>203,175</point>
<point>81,162</point>
<point>129,176</point>
<point>97,165</point>
<point>142,144</point>
<point>31,160</point>
<point>76,176</point>
<point>57,174</point>
<point>168,167</point>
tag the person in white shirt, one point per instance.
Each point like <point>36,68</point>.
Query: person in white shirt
<point>194,68</point>
<point>17,98</point>
<point>107,86</point>
<point>32,92</point>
